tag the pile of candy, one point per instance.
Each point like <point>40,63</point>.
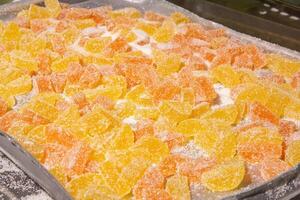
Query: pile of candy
<point>107,99</point>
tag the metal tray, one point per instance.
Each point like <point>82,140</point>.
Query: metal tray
<point>285,186</point>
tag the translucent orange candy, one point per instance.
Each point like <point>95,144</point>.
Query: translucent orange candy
<point>3,106</point>
<point>269,168</point>
<point>7,119</point>
<point>215,179</point>
<point>258,143</point>
<point>259,112</point>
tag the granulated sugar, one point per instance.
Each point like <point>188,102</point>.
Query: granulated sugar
<point>17,185</point>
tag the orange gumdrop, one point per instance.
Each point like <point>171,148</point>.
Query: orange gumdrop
<point>144,128</point>
<point>74,72</point>
<point>38,25</point>
<point>296,80</point>
<point>44,83</point>
<point>169,165</point>
<point>104,101</point>
<point>152,16</point>
<point>56,134</point>
<point>58,82</point>
<point>165,90</point>
<point>7,119</point>
<point>80,100</point>
<point>91,77</point>
<point>3,106</point>
<point>286,127</point>
<point>32,117</point>
<point>204,90</point>
<point>54,153</point>
<point>44,62</point>
<point>152,179</point>
<point>174,140</point>
<point>259,112</point>
<point>270,168</point>
<point>58,44</point>
<point>193,169</point>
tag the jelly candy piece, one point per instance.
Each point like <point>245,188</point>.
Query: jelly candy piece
<point>9,74</point>
<point>95,121</point>
<point>140,95</point>
<point>258,143</point>
<point>204,89</point>
<point>246,76</point>
<point>259,112</point>
<point>226,147</point>
<point>128,12</point>
<point>43,109</point>
<point>168,166</point>
<point>84,23</point>
<point>11,35</point>
<point>90,78</point>
<point>277,101</point>
<point>218,42</point>
<point>251,92</point>
<point>179,18</point>
<point>124,109</point>
<point>146,27</point>
<point>24,61</point>
<point>209,134</point>
<point>53,6</point>
<point>146,113</point>
<point>286,127</point>
<point>5,94</point>
<point>226,75</point>
<point>153,16</point>
<point>178,187</point>
<point>200,109</point>
<point>32,117</point>
<point>152,179</point>
<point>216,180</point>
<point>175,140</point>
<point>165,32</point>
<point>89,184</point>
<point>281,65</point>
<point>269,168</point>
<point>123,139</point>
<point>21,85</point>
<point>188,95</point>
<point>166,90</point>
<point>175,111</point>
<point>158,149</point>
<point>143,128</point>
<point>292,111</point>
<point>189,127</point>
<point>61,65</point>
<point>37,12</point>
<point>166,64</point>
<point>3,106</point>
<point>68,117</point>
<point>60,174</point>
<point>7,119</point>
<point>227,114</point>
<point>74,72</point>
<point>96,45</point>
<point>292,155</point>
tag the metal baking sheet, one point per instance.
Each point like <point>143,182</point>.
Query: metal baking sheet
<point>286,186</point>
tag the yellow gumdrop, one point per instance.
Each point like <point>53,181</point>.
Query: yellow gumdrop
<point>293,110</point>
<point>126,12</point>
<point>5,93</point>
<point>23,60</point>
<point>9,74</point>
<point>175,111</point>
<point>189,127</point>
<point>60,174</point>
<point>292,155</point>
<point>226,147</point>
<point>179,18</point>
<point>68,117</point>
<point>21,85</point>
<point>146,27</point>
<point>178,187</point>
<point>96,45</point>
<point>53,6</point>
<point>224,177</point>
<point>84,23</point>
<point>61,65</point>
<point>227,114</point>
<point>123,139</point>
<point>146,112</point>
<point>38,12</point>
<point>200,109</point>
<point>43,109</point>
<point>165,32</point>
<point>124,108</point>
<point>166,63</point>
<point>225,75</point>
<point>158,150</point>
<point>281,65</point>
<point>188,95</point>
<point>50,97</point>
<point>139,95</point>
